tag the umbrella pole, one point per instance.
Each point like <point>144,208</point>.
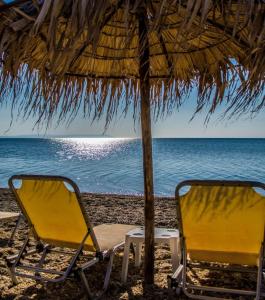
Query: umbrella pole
<point>147,147</point>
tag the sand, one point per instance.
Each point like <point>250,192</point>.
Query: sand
<point>109,209</point>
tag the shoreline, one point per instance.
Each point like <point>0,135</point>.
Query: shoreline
<point>128,209</point>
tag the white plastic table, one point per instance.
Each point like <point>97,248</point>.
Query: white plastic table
<point>162,235</point>
<point>11,216</point>
<point>8,216</point>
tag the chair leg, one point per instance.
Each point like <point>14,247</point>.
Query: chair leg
<point>85,283</point>
<point>13,276</point>
<point>108,272</point>
<point>106,278</point>
<point>12,266</point>
<point>259,278</point>
<point>125,260</point>
<point>41,261</point>
<point>10,241</point>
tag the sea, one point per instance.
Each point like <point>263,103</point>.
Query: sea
<point>114,165</point>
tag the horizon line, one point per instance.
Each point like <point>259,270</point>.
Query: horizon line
<point>121,137</point>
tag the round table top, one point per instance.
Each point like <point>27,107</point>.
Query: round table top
<point>160,233</point>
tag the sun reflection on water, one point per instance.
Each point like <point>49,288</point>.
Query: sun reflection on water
<point>90,148</point>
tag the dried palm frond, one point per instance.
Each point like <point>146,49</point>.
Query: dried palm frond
<point>61,56</point>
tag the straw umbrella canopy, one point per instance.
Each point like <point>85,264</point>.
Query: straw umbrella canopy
<point>106,56</point>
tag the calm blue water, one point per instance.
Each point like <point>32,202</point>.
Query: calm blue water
<point>115,165</point>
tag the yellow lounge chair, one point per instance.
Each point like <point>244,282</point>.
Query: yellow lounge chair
<point>53,208</point>
<point>223,222</point>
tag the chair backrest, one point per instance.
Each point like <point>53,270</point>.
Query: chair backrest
<point>222,221</point>
<point>55,212</point>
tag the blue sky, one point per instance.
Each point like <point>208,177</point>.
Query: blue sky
<point>176,125</point>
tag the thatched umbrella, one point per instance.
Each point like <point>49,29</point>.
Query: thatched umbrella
<point>107,55</point>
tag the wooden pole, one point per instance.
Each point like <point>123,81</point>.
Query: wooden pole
<point>144,72</point>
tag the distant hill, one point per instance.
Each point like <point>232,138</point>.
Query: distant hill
<point>43,136</point>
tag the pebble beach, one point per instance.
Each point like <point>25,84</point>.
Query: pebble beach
<point>104,208</point>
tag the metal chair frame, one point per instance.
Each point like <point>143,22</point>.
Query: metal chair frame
<point>18,221</point>
<point>178,280</point>
<point>38,272</point>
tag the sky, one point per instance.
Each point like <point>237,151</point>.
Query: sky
<point>178,125</point>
